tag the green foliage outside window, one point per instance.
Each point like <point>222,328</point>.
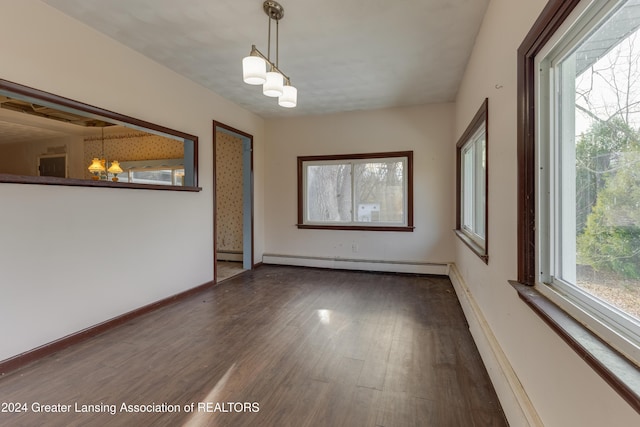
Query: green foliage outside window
<point>608,198</point>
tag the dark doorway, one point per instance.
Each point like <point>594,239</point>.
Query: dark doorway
<point>53,166</point>
<point>233,201</point>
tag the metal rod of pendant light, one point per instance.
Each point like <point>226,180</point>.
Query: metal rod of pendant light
<point>269,41</point>
<point>103,158</point>
<point>256,52</point>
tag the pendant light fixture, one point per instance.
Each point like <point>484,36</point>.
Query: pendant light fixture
<point>115,169</point>
<point>258,69</point>
<point>101,168</point>
<point>97,166</point>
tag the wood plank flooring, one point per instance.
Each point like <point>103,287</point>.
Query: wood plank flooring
<point>303,347</point>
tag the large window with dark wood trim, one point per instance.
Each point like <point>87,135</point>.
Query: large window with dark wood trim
<point>579,153</point>
<point>48,139</point>
<point>360,191</point>
<point>471,194</point>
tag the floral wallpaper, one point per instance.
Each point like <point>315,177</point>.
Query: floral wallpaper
<point>131,145</point>
<point>228,192</point>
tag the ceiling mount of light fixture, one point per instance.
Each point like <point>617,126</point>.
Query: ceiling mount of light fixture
<point>273,9</point>
<point>258,69</point>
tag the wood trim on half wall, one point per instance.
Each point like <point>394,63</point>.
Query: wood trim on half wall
<point>90,110</point>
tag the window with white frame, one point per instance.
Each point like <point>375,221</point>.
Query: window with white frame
<point>157,176</point>
<point>588,162</point>
<point>363,191</point>
<point>157,172</point>
<point>471,219</point>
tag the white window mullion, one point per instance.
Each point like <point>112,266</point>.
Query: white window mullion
<point>467,189</point>
<point>567,169</point>
<point>479,199</point>
<point>544,95</point>
<point>353,194</point>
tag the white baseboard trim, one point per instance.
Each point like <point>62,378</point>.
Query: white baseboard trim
<point>514,400</point>
<point>441,269</point>
<point>228,256</point>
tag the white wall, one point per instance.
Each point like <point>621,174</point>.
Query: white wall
<point>563,389</point>
<point>427,130</point>
<point>68,261</point>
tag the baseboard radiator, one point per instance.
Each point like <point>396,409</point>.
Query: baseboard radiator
<point>229,255</point>
<point>441,269</point>
<point>514,400</point>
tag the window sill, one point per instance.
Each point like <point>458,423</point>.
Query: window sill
<point>355,227</point>
<point>73,182</point>
<point>617,370</point>
<point>476,248</point>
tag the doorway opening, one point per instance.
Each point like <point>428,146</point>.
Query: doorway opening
<point>232,201</point>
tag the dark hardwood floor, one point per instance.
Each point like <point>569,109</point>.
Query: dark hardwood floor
<point>276,346</point>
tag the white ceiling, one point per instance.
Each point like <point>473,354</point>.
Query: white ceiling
<point>12,132</point>
<point>20,127</point>
<point>342,55</point>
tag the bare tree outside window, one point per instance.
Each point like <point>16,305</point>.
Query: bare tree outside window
<point>329,193</point>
